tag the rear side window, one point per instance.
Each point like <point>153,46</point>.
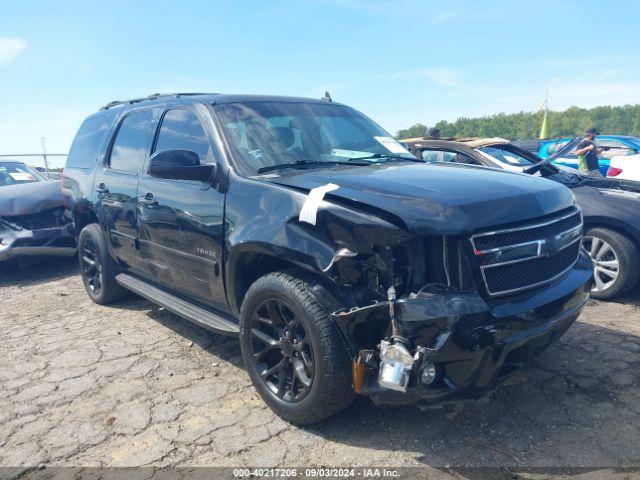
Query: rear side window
<point>130,145</point>
<point>181,130</point>
<point>85,148</point>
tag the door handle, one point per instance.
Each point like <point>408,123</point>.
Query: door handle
<point>102,188</point>
<point>148,200</point>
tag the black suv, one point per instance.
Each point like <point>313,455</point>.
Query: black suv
<point>344,264</point>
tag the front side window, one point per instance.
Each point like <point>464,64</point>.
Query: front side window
<point>181,130</point>
<point>614,148</point>
<point>130,145</point>
<point>505,157</point>
<point>12,173</point>
<point>265,134</point>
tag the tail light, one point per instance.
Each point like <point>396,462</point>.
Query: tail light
<point>614,172</point>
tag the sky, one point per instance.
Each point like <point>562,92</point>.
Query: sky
<point>400,62</point>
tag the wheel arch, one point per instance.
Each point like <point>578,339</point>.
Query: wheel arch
<point>252,264</point>
<point>82,218</point>
<point>622,228</point>
<point>252,261</point>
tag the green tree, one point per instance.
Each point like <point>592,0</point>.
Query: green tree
<point>622,120</point>
<point>417,130</point>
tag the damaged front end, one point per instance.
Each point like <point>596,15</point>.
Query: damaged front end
<point>447,318</point>
<point>47,233</point>
<point>34,223</point>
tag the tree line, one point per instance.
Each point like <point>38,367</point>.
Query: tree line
<point>624,120</point>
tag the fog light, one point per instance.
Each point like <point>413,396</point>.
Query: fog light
<point>428,374</point>
<point>395,365</point>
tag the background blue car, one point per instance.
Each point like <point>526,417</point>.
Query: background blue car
<point>615,145</point>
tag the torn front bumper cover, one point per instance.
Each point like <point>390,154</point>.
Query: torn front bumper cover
<point>473,345</point>
<point>18,242</point>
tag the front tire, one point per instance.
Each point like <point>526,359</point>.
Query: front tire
<point>293,352</point>
<point>615,262</point>
<point>97,267</point>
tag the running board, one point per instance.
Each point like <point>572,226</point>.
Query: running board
<point>191,312</point>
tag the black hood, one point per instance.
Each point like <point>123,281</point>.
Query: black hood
<point>28,198</point>
<point>437,198</point>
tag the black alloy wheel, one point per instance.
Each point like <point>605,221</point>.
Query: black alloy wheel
<point>97,267</point>
<point>90,264</point>
<point>295,355</point>
<point>281,350</point>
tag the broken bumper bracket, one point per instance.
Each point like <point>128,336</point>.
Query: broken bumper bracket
<point>474,344</point>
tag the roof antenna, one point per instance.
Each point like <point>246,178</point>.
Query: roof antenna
<point>327,97</point>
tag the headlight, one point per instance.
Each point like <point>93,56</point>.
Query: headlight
<point>395,365</point>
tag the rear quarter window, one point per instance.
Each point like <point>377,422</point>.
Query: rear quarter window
<point>86,146</point>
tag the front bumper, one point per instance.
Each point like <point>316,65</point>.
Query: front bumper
<point>20,242</point>
<point>474,344</point>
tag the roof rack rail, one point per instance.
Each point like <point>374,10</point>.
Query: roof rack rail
<point>153,96</point>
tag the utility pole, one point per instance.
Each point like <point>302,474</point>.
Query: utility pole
<point>44,155</point>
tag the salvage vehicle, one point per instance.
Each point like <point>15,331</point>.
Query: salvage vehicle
<point>609,206</point>
<point>344,264</point>
<point>33,220</point>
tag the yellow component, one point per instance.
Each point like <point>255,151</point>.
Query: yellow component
<point>358,374</point>
<point>543,130</point>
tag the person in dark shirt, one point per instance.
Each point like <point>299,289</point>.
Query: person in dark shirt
<point>434,132</point>
<point>587,153</point>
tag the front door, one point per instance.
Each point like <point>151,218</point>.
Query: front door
<point>117,186</point>
<point>181,222</point>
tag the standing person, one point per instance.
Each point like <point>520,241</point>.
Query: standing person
<point>587,152</point>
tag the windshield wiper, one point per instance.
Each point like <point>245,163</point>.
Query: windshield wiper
<point>389,156</point>
<point>537,166</point>
<point>309,163</point>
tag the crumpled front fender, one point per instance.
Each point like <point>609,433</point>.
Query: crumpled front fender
<point>264,219</point>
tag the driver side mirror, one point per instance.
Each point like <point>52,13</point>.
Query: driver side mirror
<point>179,165</point>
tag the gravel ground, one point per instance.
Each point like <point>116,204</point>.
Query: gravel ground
<point>132,384</point>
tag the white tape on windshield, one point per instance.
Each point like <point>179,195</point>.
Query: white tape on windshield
<point>312,202</point>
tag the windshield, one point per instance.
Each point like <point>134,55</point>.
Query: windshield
<point>506,157</point>
<point>12,173</point>
<point>266,134</point>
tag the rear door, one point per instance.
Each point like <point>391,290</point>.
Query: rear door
<point>117,185</point>
<point>181,221</point>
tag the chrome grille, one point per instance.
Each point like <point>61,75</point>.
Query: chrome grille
<point>530,254</point>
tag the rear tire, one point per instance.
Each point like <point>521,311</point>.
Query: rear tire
<point>616,262</point>
<point>97,268</point>
<point>293,352</point>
